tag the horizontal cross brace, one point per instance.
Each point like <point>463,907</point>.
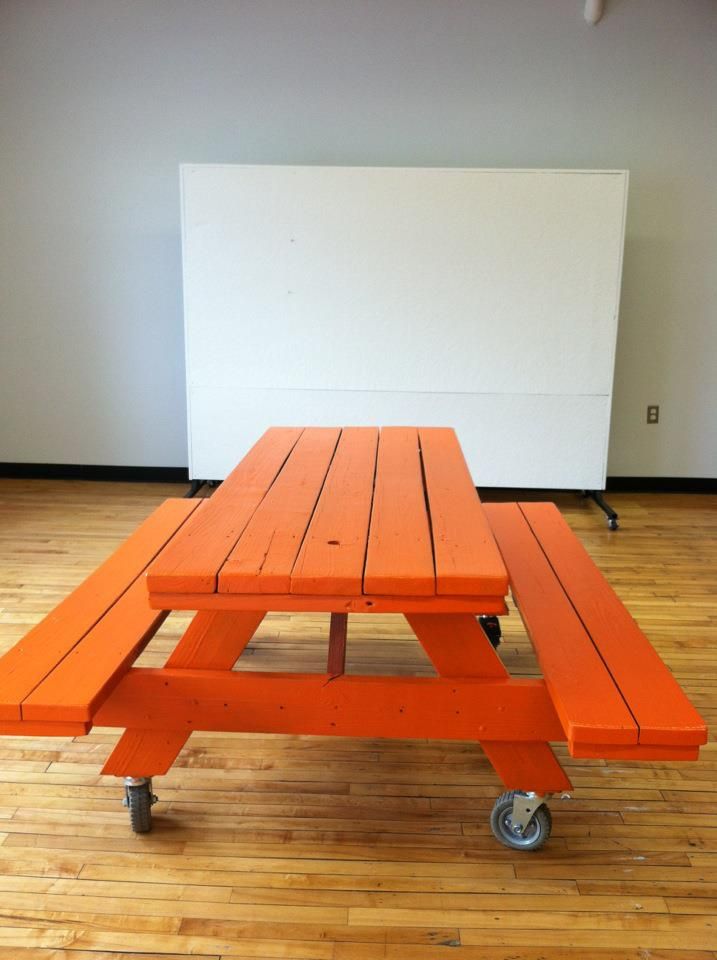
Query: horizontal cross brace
<point>350,706</point>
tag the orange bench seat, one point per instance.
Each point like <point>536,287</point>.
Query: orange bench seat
<point>53,679</point>
<point>614,696</point>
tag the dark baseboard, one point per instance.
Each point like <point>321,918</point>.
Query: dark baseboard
<point>82,471</point>
<point>662,484</point>
<point>613,484</point>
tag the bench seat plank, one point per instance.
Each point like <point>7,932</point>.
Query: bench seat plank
<point>77,685</point>
<point>634,752</point>
<point>190,563</point>
<point>263,558</point>
<point>27,664</point>
<point>332,555</point>
<point>467,559</point>
<point>399,559</point>
<point>588,703</point>
<point>662,711</point>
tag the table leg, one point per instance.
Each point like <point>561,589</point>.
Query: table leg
<point>457,647</point>
<point>213,641</point>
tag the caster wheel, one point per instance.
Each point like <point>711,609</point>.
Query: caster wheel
<point>534,835</point>
<point>139,800</point>
<point>612,523</point>
<point>491,628</point>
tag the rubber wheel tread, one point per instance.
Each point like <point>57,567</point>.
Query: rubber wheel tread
<point>539,827</point>
<point>139,802</point>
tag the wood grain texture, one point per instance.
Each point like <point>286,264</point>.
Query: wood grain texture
<point>192,563</point>
<point>332,513</point>
<point>466,556</point>
<point>399,559</point>
<point>387,839</point>
<point>24,666</point>
<point>663,713</point>
<point>336,657</point>
<point>332,556</point>
<point>295,603</point>
<point>456,645</point>
<point>264,556</point>
<point>83,679</point>
<point>360,706</point>
<point>212,641</point>
<point>590,713</point>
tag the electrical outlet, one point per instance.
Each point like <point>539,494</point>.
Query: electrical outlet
<point>653,413</point>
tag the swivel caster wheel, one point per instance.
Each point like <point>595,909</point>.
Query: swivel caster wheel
<point>612,523</point>
<point>520,820</point>
<point>491,628</point>
<point>139,800</point>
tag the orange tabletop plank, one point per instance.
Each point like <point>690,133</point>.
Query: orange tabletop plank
<point>263,558</point>
<point>341,520</point>
<point>191,563</point>
<point>400,556</point>
<point>466,555</point>
<point>332,556</point>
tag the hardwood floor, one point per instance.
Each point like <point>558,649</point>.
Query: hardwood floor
<point>300,847</point>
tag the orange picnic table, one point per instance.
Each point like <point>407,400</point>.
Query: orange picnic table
<point>354,521</point>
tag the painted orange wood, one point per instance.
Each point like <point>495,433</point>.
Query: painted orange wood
<point>336,659</point>
<point>81,681</point>
<point>332,557</point>
<point>373,603</point>
<point>24,666</point>
<point>144,753</point>
<point>399,560</point>
<point>213,641</point>
<point>264,556</point>
<point>637,751</point>
<point>456,645</point>
<point>466,556</point>
<point>589,704</point>
<point>413,707</point>
<point>24,728</point>
<point>191,562</point>
<point>662,711</point>
<point>526,766</point>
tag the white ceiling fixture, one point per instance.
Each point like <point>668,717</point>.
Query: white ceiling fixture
<point>594,10</point>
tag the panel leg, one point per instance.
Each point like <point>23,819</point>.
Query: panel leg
<point>194,488</point>
<point>530,767</point>
<point>213,641</point>
<point>597,496</point>
<point>458,647</point>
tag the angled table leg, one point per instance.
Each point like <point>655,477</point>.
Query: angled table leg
<point>457,647</point>
<point>213,641</point>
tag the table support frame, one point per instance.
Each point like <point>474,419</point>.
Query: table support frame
<point>473,698</point>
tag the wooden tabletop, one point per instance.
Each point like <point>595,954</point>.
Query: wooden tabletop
<point>330,512</point>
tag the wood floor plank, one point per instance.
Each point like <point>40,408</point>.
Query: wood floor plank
<point>268,846</point>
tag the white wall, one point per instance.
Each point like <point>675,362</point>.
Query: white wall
<point>101,100</point>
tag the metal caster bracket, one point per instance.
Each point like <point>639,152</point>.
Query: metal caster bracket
<point>524,806</point>
<point>138,782</point>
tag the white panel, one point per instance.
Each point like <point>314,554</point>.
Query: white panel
<point>433,283</point>
<point>364,278</point>
<point>520,441</point>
